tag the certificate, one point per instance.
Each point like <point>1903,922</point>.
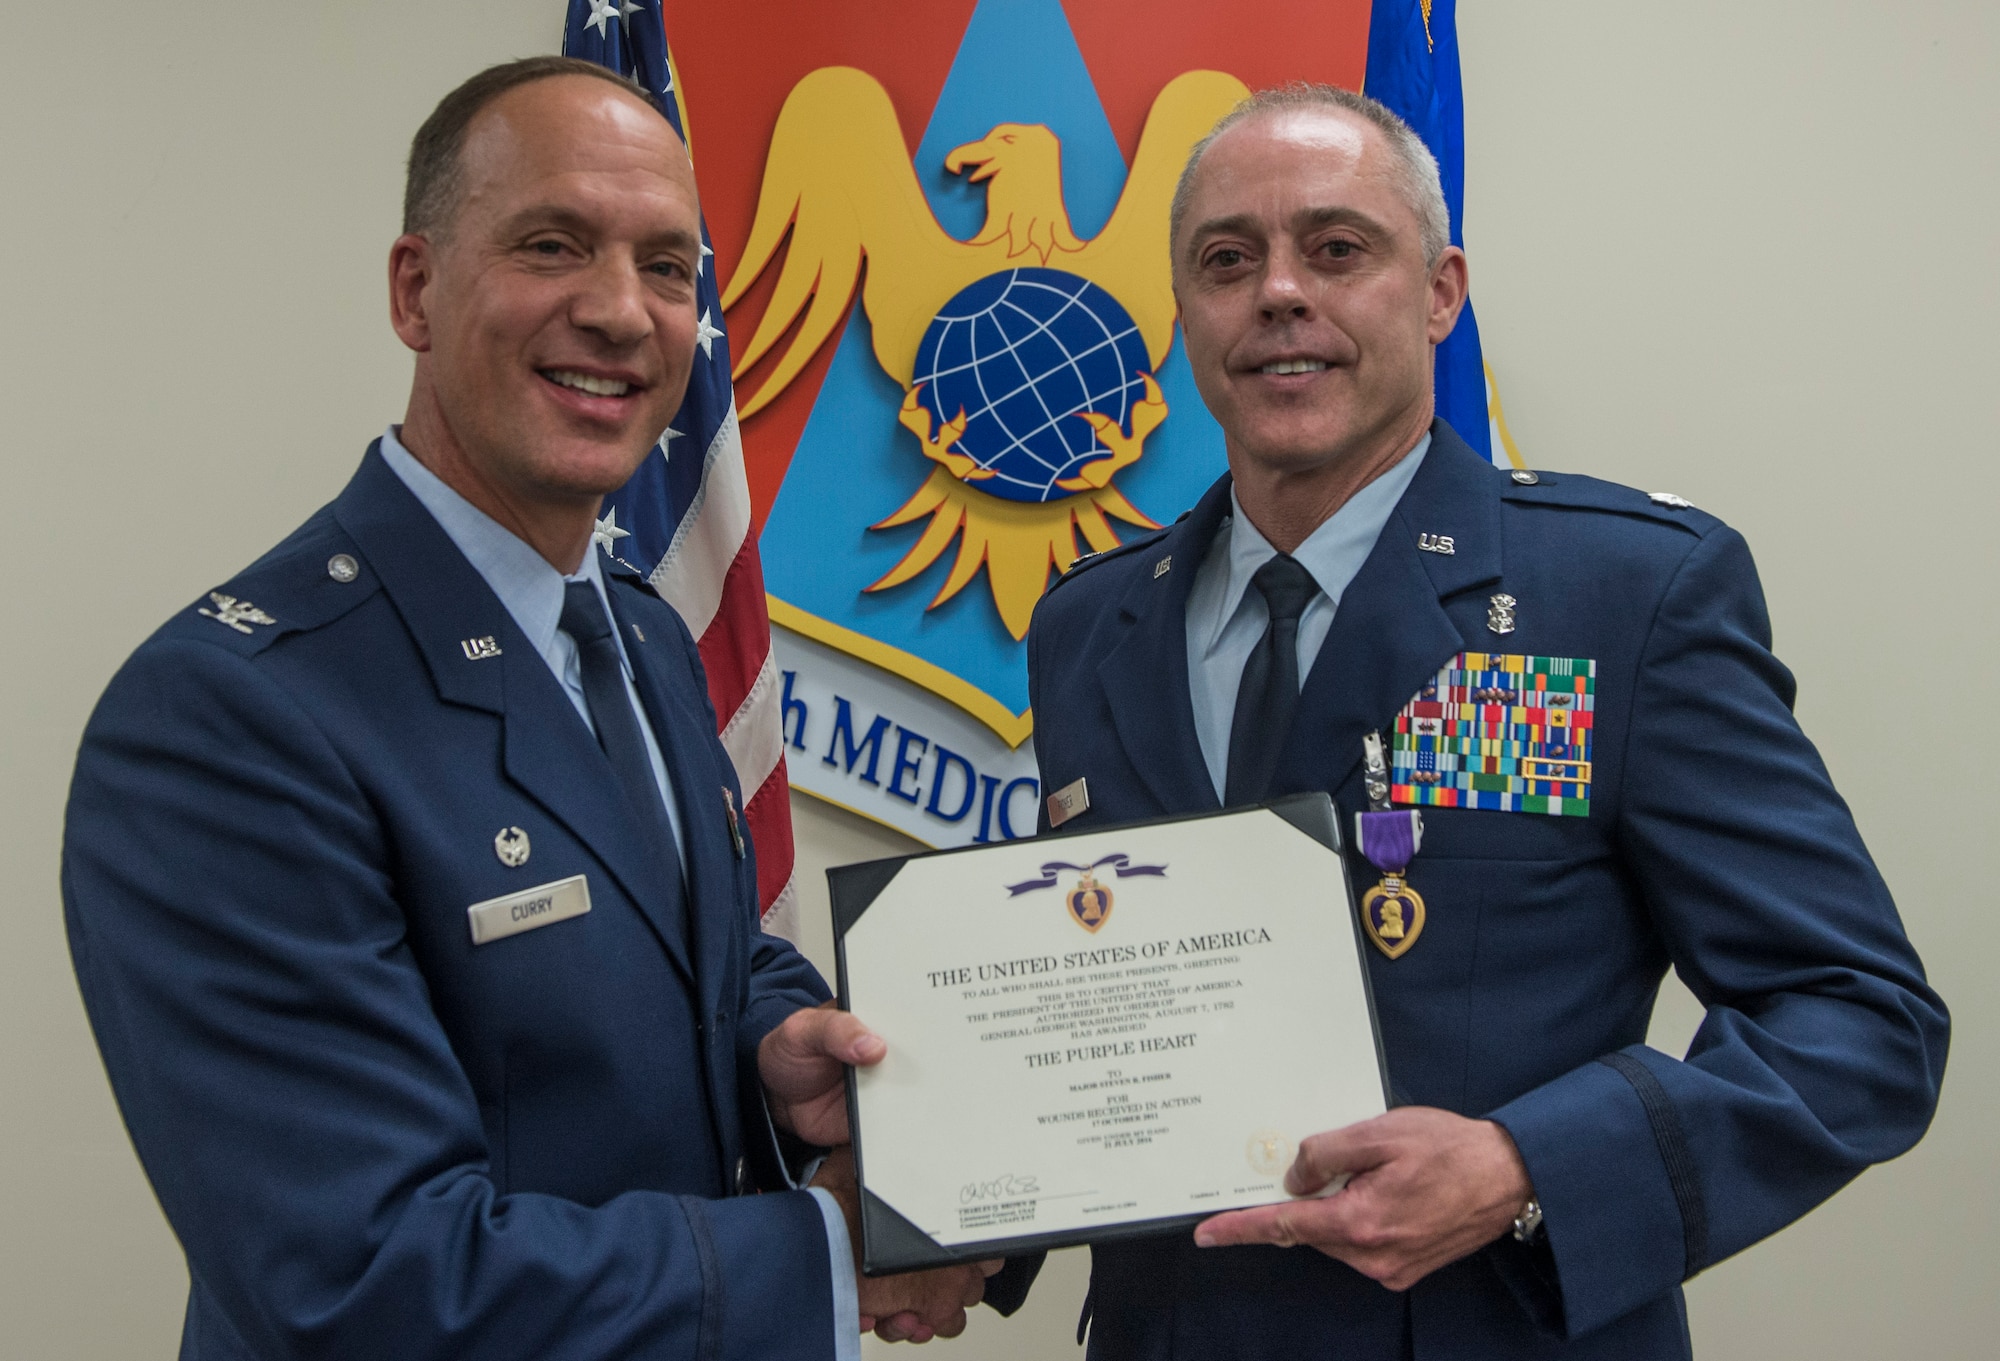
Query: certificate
<point>1101,1035</point>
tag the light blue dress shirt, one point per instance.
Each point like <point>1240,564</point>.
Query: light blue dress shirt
<point>532,591</point>
<point>1225,617</point>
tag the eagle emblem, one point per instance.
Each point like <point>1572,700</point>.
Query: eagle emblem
<point>233,613</point>
<point>1026,354</point>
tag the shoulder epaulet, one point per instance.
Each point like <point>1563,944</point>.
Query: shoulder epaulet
<point>620,575</point>
<point>312,578</point>
<point>1098,559</point>
<point>1578,492</point>
<point>616,568</point>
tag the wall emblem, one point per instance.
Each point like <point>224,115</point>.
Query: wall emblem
<point>1025,356</point>
<point>940,231</point>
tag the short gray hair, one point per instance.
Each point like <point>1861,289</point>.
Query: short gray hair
<point>435,185</point>
<point>1414,168</point>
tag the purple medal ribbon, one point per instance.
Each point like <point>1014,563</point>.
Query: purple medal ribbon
<point>1390,840</point>
<point>1121,863</point>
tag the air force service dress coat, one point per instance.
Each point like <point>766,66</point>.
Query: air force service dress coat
<point>1715,844</point>
<point>372,1136</point>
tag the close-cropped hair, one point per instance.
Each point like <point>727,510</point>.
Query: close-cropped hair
<point>1411,163</point>
<point>436,182</point>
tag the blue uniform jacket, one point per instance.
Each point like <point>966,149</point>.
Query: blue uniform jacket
<point>373,1137</point>
<point>1715,844</point>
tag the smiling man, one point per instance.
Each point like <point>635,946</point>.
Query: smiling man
<point>404,872</point>
<point>1571,682</point>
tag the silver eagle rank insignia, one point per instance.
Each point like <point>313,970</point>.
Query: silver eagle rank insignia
<point>234,613</point>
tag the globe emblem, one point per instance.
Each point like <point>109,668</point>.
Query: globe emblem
<point>1023,352</point>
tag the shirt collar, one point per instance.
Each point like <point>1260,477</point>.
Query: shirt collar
<point>527,585</point>
<point>1333,553</point>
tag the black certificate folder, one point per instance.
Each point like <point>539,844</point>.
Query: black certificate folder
<point>1100,1035</point>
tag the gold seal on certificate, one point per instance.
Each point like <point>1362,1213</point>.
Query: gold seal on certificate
<point>1060,1072</point>
<point>1270,1153</point>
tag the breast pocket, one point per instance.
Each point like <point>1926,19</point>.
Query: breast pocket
<point>1492,834</point>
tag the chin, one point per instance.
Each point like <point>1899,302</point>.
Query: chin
<point>1297,450</point>
<point>597,466</point>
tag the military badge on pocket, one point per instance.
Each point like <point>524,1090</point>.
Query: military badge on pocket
<point>1500,731</point>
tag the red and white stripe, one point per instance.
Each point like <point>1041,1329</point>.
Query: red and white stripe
<point>712,575</point>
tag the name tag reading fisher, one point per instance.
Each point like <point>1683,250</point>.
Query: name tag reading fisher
<point>524,911</point>
<point>1100,1036</point>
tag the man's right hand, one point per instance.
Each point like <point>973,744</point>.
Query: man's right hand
<point>919,1305</point>
<point>913,1306</point>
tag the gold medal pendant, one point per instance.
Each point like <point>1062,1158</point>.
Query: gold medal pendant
<point>1389,839</point>
<point>1393,914</point>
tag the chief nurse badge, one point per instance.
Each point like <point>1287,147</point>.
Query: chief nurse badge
<point>1026,355</point>
<point>1090,903</point>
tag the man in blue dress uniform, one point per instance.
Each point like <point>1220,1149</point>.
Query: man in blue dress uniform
<point>1571,682</point>
<point>404,872</point>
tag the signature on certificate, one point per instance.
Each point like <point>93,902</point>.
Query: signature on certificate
<point>1006,1187</point>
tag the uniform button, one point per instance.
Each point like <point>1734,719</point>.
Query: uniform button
<point>743,1185</point>
<point>1525,477</point>
<point>342,568</point>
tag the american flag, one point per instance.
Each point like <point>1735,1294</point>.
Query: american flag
<point>687,512</point>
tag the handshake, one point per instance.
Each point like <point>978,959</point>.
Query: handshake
<point>802,1064</point>
<point>1423,1187</point>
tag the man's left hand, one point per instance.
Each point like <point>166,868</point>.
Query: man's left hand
<point>802,1066</point>
<point>1426,1188</point>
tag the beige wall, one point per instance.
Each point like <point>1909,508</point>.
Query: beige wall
<point>1743,252</point>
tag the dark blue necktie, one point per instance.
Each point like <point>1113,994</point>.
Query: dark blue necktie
<point>1269,694</point>
<point>584,620</point>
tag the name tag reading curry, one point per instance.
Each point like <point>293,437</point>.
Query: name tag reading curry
<point>542,905</point>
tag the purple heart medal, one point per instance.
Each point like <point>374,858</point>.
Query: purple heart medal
<point>1391,912</point>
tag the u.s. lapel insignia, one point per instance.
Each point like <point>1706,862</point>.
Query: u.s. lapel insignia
<point>1090,903</point>
<point>233,613</point>
<point>1393,915</point>
<point>479,649</point>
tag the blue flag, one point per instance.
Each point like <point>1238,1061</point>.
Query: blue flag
<point>1413,68</point>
